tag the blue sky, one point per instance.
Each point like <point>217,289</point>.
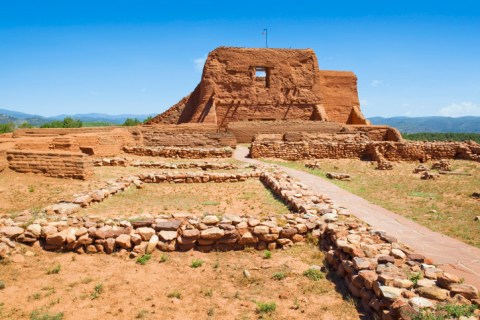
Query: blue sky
<point>412,58</point>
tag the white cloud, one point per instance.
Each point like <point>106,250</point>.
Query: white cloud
<point>376,83</point>
<point>364,102</point>
<point>199,62</point>
<point>460,110</point>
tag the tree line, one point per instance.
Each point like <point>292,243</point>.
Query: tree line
<point>67,122</point>
<point>436,136</point>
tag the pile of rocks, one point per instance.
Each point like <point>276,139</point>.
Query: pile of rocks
<point>384,165</point>
<point>420,168</point>
<point>111,162</point>
<point>338,176</point>
<point>443,165</point>
<point>427,175</point>
<point>180,152</point>
<point>312,165</point>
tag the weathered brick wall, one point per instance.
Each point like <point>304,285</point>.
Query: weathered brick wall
<point>50,163</point>
<point>245,131</point>
<point>363,149</point>
<point>48,132</point>
<point>185,135</point>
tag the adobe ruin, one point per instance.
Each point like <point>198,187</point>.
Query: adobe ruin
<point>253,84</point>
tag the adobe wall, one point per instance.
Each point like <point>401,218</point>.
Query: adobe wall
<point>56,164</point>
<point>358,146</point>
<point>340,97</point>
<point>185,135</point>
<point>47,132</point>
<point>292,87</point>
<point>245,131</point>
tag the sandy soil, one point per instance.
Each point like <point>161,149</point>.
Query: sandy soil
<point>110,287</point>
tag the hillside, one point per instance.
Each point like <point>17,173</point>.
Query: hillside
<point>431,124</point>
<point>7,116</point>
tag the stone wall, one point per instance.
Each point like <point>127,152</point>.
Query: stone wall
<point>124,162</point>
<point>50,163</point>
<point>185,135</point>
<point>354,146</point>
<point>178,152</point>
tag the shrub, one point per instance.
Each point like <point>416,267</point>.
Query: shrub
<point>267,254</point>
<point>55,270</point>
<point>41,315</point>
<point>7,127</point>
<point>164,258</point>
<point>196,263</point>
<point>144,259</point>
<point>2,285</point>
<point>97,291</point>
<point>414,277</point>
<point>279,276</point>
<point>174,294</point>
<point>313,274</point>
<point>266,307</point>
<point>129,122</point>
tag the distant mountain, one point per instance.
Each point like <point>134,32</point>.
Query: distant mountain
<point>36,120</point>
<point>431,124</point>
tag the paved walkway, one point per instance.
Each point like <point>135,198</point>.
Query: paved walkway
<point>451,254</point>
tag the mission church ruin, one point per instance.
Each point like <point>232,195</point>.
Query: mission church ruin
<point>246,84</point>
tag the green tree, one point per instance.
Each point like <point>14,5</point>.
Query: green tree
<point>67,122</point>
<point>25,125</point>
<point>131,122</point>
<point>7,127</point>
<point>148,119</point>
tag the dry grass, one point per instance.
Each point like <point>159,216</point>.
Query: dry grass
<point>443,205</point>
<point>249,197</point>
<point>172,289</point>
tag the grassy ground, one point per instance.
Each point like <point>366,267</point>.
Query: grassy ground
<point>443,205</point>
<point>200,198</point>
<point>70,286</point>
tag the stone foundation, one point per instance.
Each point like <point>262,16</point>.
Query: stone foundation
<point>357,146</point>
<point>179,152</point>
<point>53,164</point>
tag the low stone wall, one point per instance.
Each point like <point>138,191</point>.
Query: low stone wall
<point>52,164</point>
<point>361,149</point>
<point>180,152</point>
<point>123,162</point>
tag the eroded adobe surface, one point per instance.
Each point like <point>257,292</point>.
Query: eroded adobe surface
<point>246,84</point>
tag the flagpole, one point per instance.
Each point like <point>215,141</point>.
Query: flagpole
<point>266,37</point>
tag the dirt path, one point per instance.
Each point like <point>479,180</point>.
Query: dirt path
<point>452,255</point>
